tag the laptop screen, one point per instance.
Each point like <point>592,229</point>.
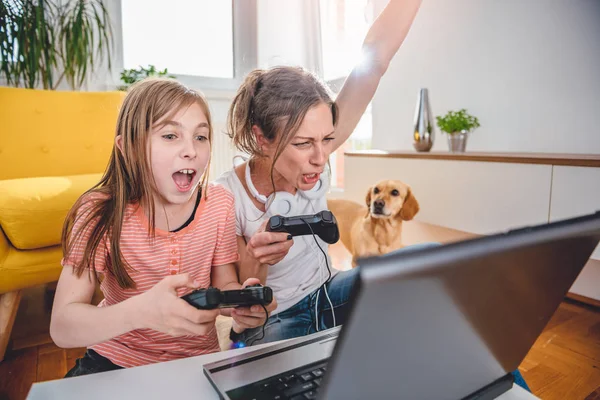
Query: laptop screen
<point>442,322</point>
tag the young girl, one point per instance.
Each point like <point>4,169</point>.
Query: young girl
<point>152,230</point>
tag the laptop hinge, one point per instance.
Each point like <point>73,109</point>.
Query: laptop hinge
<point>494,389</point>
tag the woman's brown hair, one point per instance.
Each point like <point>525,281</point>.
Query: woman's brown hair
<point>128,179</point>
<point>276,100</point>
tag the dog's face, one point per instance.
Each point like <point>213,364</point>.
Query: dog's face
<point>392,199</point>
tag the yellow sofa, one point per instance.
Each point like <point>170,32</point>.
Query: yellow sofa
<point>53,146</point>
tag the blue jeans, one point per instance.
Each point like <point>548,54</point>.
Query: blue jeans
<point>299,320</point>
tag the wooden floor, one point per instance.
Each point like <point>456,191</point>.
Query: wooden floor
<point>564,363</point>
<point>32,356</point>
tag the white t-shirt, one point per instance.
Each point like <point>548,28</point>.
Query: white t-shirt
<point>303,269</point>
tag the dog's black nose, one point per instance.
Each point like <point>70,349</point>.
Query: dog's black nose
<point>379,203</point>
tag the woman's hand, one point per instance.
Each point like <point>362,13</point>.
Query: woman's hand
<point>161,309</point>
<point>269,247</point>
<point>251,317</point>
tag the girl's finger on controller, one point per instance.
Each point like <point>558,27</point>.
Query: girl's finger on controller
<point>258,315</point>
<point>240,311</point>
<point>197,316</point>
<point>246,322</point>
<point>250,311</point>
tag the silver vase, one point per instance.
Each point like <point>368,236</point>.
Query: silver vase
<point>424,130</point>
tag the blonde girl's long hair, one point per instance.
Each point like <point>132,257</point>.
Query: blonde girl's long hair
<point>128,178</point>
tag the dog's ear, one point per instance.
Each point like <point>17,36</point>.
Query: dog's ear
<point>368,198</point>
<point>410,208</point>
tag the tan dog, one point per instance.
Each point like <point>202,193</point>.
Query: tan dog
<point>377,228</point>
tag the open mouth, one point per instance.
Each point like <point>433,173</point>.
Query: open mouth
<point>183,179</point>
<point>311,178</point>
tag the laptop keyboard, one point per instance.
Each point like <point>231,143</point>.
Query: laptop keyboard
<point>297,384</point>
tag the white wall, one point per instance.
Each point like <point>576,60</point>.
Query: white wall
<point>527,69</point>
<point>222,149</point>
<point>103,79</point>
<point>470,196</point>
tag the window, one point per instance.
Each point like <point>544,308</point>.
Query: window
<point>344,25</point>
<point>208,45</point>
<point>187,37</point>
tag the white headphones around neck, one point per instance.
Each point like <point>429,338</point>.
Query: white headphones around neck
<point>285,203</point>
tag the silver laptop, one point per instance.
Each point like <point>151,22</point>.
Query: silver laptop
<point>448,322</point>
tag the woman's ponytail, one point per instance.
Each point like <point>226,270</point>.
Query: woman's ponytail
<point>241,115</point>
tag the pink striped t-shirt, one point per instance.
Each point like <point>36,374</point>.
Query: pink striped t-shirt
<point>207,242</point>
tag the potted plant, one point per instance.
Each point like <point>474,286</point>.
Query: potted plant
<point>43,42</point>
<point>458,125</point>
<point>131,76</point>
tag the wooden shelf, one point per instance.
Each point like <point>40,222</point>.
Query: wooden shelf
<point>575,160</point>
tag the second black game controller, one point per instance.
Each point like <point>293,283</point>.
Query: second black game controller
<point>322,224</point>
<point>211,298</point>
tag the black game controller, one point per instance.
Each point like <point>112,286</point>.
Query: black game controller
<point>322,224</point>
<point>211,298</point>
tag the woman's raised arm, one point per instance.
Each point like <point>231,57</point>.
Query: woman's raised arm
<point>379,47</point>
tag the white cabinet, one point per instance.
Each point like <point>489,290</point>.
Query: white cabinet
<point>576,191</point>
<point>488,197</point>
<point>473,196</point>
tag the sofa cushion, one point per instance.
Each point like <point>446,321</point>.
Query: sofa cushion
<point>56,132</point>
<point>33,210</point>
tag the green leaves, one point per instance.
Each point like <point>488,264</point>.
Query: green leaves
<point>85,35</point>
<point>131,76</point>
<point>40,39</point>
<point>456,121</point>
<point>26,42</point>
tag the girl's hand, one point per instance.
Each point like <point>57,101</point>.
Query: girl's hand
<point>269,247</point>
<point>161,309</point>
<point>250,317</point>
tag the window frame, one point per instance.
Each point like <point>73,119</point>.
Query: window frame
<point>245,50</point>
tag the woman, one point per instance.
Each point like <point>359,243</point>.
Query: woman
<point>286,120</point>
